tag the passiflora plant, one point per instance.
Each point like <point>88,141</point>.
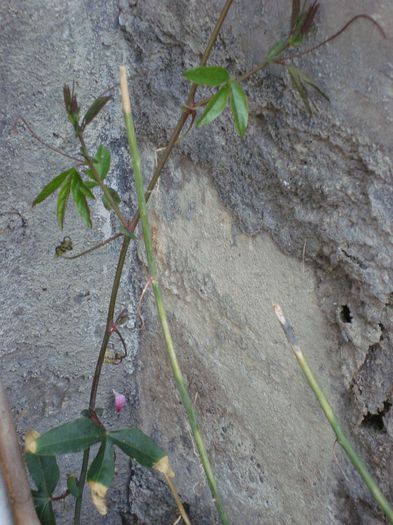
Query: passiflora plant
<point>81,182</point>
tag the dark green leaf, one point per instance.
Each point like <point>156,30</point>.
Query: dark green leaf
<point>299,86</point>
<point>71,105</point>
<point>102,467</point>
<point>207,75</point>
<point>115,196</point>
<point>94,109</point>
<point>73,436</point>
<point>80,199</point>
<point>239,106</point>
<point>275,51</point>
<point>62,199</point>
<point>73,486</point>
<point>138,446</point>
<point>125,232</point>
<point>300,82</point>
<point>44,508</point>
<point>310,82</point>
<point>100,475</point>
<point>102,161</point>
<point>83,186</point>
<point>215,106</point>
<point>44,472</point>
<point>50,188</point>
<point>295,40</point>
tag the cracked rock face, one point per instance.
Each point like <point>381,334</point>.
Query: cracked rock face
<point>299,212</point>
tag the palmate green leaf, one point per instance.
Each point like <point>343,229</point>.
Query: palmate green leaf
<point>215,106</point>
<point>51,187</point>
<point>62,199</point>
<point>239,106</point>
<point>207,75</point>
<point>102,161</point>
<point>138,446</point>
<point>45,474</point>
<point>94,109</point>
<point>115,196</point>
<point>83,186</point>
<point>78,191</point>
<point>90,184</point>
<point>73,436</point>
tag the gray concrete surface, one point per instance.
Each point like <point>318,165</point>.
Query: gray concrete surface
<point>298,212</point>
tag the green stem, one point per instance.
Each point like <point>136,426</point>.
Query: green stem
<point>152,264</point>
<point>126,241</point>
<point>331,417</point>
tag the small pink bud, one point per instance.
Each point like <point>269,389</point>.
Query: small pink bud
<point>120,401</point>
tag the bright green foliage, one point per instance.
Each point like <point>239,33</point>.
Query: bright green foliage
<point>207,75</point>
<point>215,106</point>
<point>300,82</point>
<point>73,436</point>
<point>70,182</point>
<point>230,89</point>
<point>62,199</point>
<point>138,446</point>
<point>102,161</point>
<point>115,196</point>
<point>45,474</point>
<point>93,110</point>
<point>79,192</point>
<point>102,468</point>
<point>50,188</point>
<point>239,106</point>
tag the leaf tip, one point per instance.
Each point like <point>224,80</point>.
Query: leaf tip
<point>163,465</point>
<point>31,441</point>
<point>98,493</point>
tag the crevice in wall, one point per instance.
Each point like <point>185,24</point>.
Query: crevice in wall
<point>345,314</point>
<point>376,421</point>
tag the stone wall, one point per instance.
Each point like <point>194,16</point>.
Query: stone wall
<point>298,212</point>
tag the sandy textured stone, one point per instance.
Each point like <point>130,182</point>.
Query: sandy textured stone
<point>299,211</point>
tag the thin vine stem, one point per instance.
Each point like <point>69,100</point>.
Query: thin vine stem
<point>126,241</point>
<point>334,36</point>
<point>95,247</point>
<point>46,144</point>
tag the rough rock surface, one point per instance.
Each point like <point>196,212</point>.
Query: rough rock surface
<point>298,212</point>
